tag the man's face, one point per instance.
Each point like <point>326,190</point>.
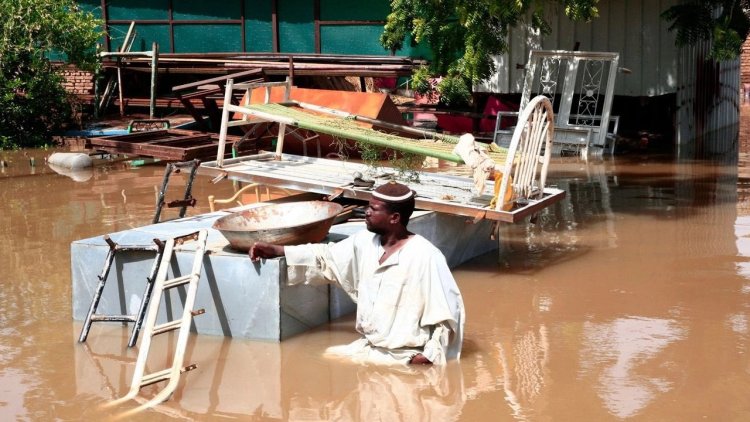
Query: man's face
<point>377,216</point>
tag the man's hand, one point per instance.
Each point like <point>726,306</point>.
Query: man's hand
<point>419,359</point>
<point>265,250</point>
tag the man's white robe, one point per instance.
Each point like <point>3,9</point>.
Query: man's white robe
<point>408,304</point>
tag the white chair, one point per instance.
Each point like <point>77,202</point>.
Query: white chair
<point>529,154</point>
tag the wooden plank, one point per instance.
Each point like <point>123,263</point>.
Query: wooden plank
<point>201,94</point>
<point>213,111</point>
<point>171,145</point>
<point>179,139</point>
<point>236,76</point>
<point>135,136</point>
<point>197,117</point>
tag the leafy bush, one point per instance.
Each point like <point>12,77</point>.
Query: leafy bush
<point>420,80</point>
<point>698,20</point>
<point>455,91</point>
<point>33,103</point>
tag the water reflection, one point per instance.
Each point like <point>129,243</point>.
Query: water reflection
<point>261,380</point>
<point>77,175</point>
<point>525,371</point>
<point>742,232</point>
<point>385,394</point>
<point>616,353</point>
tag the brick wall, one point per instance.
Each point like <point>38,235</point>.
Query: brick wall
<point>745,62</point>
<point>77,81</point>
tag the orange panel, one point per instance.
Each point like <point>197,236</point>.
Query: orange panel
<point>374,105</point>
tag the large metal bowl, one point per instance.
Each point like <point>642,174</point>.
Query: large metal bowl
<point>292,223</point>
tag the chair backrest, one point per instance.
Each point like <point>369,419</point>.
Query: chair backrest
<point>529,152</point>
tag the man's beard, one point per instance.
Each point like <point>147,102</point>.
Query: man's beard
<point>373,229</point>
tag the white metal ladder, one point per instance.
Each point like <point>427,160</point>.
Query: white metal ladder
<point>151,329</point>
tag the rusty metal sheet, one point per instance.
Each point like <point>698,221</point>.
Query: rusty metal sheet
<point>169,144</point>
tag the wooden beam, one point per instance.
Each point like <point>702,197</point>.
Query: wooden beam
<point>171,26</point>
<point>275,24</point>
<point>242,26</point>
<point>316,19</point>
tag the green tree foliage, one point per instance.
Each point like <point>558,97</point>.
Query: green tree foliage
<point>33,102</point>
<point>465,34</point>
<point>723,21</point>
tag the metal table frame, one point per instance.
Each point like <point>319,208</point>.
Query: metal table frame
<point>435,191</point>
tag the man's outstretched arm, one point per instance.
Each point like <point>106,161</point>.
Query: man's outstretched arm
<point>265,250</point>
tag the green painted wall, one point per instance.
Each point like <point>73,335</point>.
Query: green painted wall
<point>296,27</point>
<point>207,38</point>
<point>346,10</point>
<point>351,39</point>
<point>420,50</point>
<point>206,10</point>
<point>91,6</point>
<point>258,28</point>
<point>137,9</point>
<point>145,37</point>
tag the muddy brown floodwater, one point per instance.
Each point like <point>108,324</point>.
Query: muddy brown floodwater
<point>630,300</point>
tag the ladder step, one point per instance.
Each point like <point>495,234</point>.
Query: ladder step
<point>163,375</point>
<point>169,326</point>
<point>113,318</point>
<point>173,325</point>
<point>179,281</point>
<point>155,377</point>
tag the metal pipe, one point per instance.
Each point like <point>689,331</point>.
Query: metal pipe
<point>154,66</point>
<point>224,121</point>
<point>105,54</point>
<point>119,88</point>
<point>408,129</point>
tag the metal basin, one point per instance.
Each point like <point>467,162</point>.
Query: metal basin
<point>292,223</point>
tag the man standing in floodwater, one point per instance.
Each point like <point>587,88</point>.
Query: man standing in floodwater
<point>409,308</point>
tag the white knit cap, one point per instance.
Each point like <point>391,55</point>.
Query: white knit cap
<point>393,192</point>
